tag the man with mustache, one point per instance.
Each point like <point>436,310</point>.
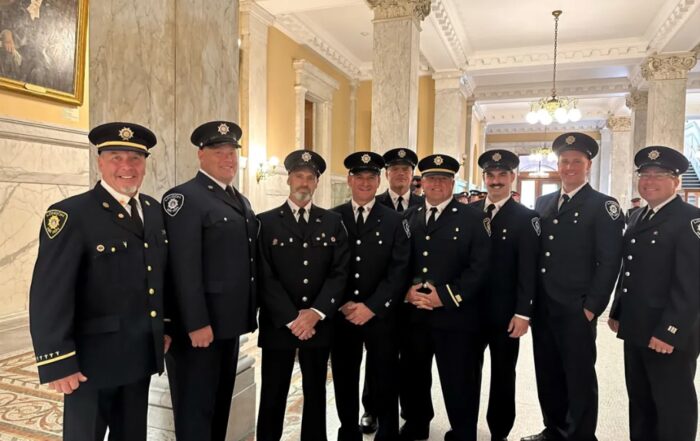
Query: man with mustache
<point>380,251</point>
<point>96,300</point>
<point>509,290</point>
<point>580,250</point>
<point>657,304</point>
<point>213,260</point>
<point>304,267</point>
<point>449,259</point>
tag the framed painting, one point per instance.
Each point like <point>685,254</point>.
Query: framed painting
<point>42,48</point>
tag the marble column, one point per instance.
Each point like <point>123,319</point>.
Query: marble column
<point>395,65</point>
<point>667,75</point>
<point>637,101</point>
<point>600,169</point>
<point>621,164</point>
<point>450,130</point>
<point>354,84</point>
<point>470,141</point>
<point>169,68</point>
<point>254,27</point>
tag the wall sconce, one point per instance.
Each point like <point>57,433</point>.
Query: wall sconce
<point>265,168</point>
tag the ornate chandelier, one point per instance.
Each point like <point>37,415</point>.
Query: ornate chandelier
<point>552,108</point>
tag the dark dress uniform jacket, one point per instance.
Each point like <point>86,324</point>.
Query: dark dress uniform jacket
<point>580,252</point>
<point>96,300</point>
<point>658,292</point>
<point>453,255</point>
<point>413,200</point>
<point>300,271</point>
<point>512,275</point>
<point>380,254</point>
<point>212,258</point>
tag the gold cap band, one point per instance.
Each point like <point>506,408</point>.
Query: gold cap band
<point>122,143</point>
<point>438,170</point>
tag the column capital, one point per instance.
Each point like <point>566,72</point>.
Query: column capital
<point>416,9</point>
<point>454,79</point>
<point>668,66</point>
<point>637,99</point>
<point>619,123</point>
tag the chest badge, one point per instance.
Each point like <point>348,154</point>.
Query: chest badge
<point>536,225</point>
<point>173,203</point>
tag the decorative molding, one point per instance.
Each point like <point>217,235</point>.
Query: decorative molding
<point>637,99</point>
<point>303,34</point>
<point>34,132</point>
<point>668,66</point>
<point>447,80</point>
<point>637,79</point>
<point>511,92</point>
<point>388,9</point>
<point>575,53</point>
<point>619,123</point>
<point>440,17</point>
<point>670,26</point>
<point>315,80</point>
<point>258,12</point>
<point>580,126</point>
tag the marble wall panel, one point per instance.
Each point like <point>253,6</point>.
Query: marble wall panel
<point>395,84</point>
<point>450,123</point>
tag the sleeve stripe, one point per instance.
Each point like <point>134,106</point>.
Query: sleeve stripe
<point>53,360</point>
<point>454,299</point>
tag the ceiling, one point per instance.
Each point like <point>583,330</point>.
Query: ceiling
<point>505,47</point>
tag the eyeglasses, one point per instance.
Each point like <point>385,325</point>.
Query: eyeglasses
<point>655,176</point>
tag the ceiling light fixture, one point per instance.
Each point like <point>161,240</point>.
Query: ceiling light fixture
<point>561,109</point>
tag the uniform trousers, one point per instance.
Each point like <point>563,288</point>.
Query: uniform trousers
<point>567,386</point>
<point>87,413</point>
<point>417,349</point>
<point>202,381</point>
<point>378,336</point>
<point>458,357</point>
<point>503,352</point>
<point>276,375</point>
<point>663,404</point>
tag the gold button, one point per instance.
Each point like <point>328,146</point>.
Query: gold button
<point>100,248</point>
<point>151,291</point>
<point>425,253</point>
<point>145,244</point>
<point>149,268</point>
<point>120,216</point>
<point>113,249</point>
<point>154,314</point>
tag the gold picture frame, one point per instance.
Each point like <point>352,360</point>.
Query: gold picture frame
<point>43,47</point>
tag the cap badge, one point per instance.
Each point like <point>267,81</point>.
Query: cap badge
<point>496,157</point>
<point>365,158</point>
<point>126,133</point>
<point>438,160</point>
<point>306,156</point>
<point>223,128</point>
<point>570,139</point>
<point>402,153</point>
<point>654,155</point>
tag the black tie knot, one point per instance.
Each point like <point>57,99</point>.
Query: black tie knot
<point>433,214</point>
<point>399,203</point>
<point>489,210</point>
<point>135,217</point>
<point>360,221</point>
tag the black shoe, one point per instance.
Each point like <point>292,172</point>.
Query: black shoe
<point>412,433</point>
<point>368,423</point>
<point>542,436</point>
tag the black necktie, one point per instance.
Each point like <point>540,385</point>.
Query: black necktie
<point>489,210</point>
<point>399,205</point>
<point>135,218</point>
<point>564,199</point>
<point>234,198</point>
<point>431,218</point>
<point>302,220</point>
<point>360,220</point>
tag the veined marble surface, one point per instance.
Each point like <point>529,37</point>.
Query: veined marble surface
<point>450,123</point>
<point>666,113</point>
<point>41,164</point>
<point>395,84</point>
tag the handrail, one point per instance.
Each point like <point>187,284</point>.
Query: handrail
<point>692,144</point>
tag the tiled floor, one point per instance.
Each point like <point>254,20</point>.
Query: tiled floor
<point>612,424</point>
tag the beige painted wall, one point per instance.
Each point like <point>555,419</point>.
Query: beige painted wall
<point>282,51</point>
